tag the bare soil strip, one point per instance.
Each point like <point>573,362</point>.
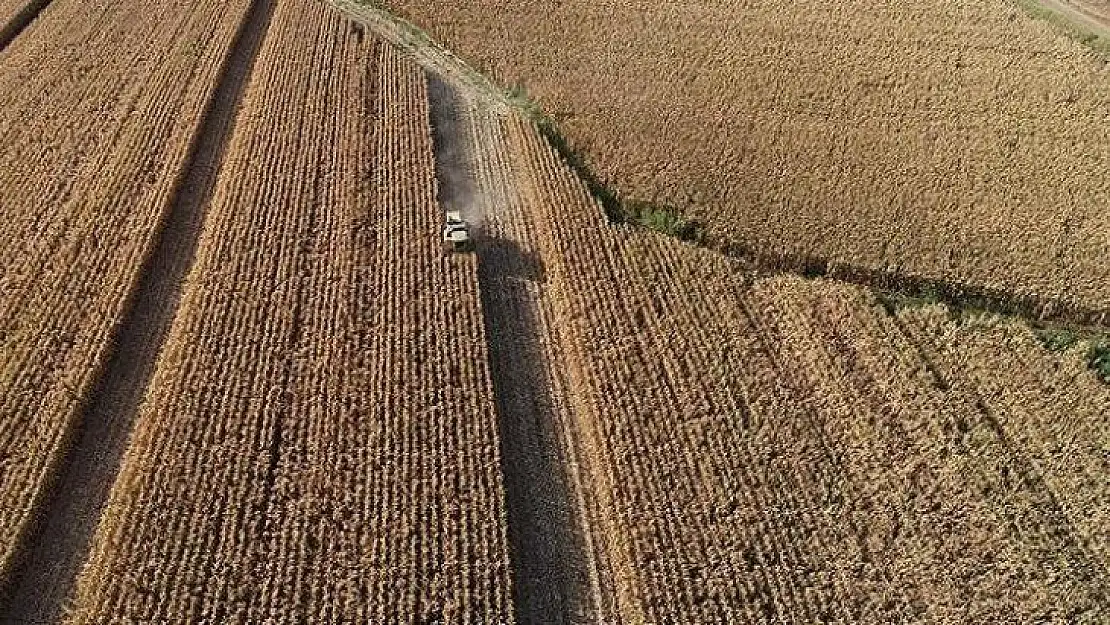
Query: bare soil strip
<point>20,21</point>
<point>57,547</point>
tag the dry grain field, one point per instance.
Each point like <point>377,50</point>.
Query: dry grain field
<point>960,141</point>
<point>321,417</point>
<point>241,381</point>
<point>98,104</point>
<point>787,450</point>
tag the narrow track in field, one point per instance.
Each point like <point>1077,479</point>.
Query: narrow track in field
<point>20,21</point>
<point>56,548</point>
<point>1082,15</point>
<point>548,548</point>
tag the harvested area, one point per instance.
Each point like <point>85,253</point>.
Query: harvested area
<point>319,441</point>
<point>786,450</point>
<point>83,204</point>
<point>956,141</point>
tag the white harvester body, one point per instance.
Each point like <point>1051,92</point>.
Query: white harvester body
<point>456,233</point>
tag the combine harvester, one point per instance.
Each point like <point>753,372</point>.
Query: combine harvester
<point>456,234</point>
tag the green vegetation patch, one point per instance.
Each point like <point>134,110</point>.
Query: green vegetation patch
<point>1098,358</point>
<point>1097,42</point>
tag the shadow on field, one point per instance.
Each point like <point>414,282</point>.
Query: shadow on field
<point>550,578</point>
<point>548,556</point>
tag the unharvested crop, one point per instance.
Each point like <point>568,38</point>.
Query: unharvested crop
<point>98,106</point>
<point>318,443</point>
<point>949,140</point>
<point>320,440</point>
<point>786,450</point>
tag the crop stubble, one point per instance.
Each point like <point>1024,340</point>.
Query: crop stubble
<point>556,569</point>
<point>319,441</point>
<point>949,140</point>
<point>784,449</point>
<point>98,106</point>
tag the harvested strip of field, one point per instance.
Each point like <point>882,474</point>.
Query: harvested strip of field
<point>785,451</point>
<point>952,140</point>
<point>555,569</point>
<point>98,106</point>
<point>319,443</point>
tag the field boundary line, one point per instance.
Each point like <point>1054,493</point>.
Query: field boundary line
<point>53,551</point>
<point>1076,23</point>
<point>956,293</point>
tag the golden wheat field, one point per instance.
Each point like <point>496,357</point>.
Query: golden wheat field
<point>786,451</point>
<point>82,203</point>
<point>954,140</point>
<point>245,379</point>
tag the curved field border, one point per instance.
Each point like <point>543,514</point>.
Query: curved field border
<point>956,293</point>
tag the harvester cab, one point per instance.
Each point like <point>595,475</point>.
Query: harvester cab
<point>456,234</point>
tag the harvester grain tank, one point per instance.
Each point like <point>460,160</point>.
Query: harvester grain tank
<point>456,233</point>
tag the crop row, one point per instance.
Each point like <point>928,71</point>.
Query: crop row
<point>1051,409</point>
<point>318,443</point>
<point>783,450</point>
<point>98,106</point>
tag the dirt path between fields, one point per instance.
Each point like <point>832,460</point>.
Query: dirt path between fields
<point>57,547</point>
<point>554,575</point>
<point>1085,15</point>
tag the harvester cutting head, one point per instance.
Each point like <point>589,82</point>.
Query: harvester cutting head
<point>456,233</point>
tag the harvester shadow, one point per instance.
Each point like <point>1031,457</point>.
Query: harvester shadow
<point>546,548</point>
<point>547,551</point>
<point>505,259</point>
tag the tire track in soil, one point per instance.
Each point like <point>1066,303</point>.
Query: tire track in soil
<point>20,21</point>
<point>56,547</point>
<point>548,549</point>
